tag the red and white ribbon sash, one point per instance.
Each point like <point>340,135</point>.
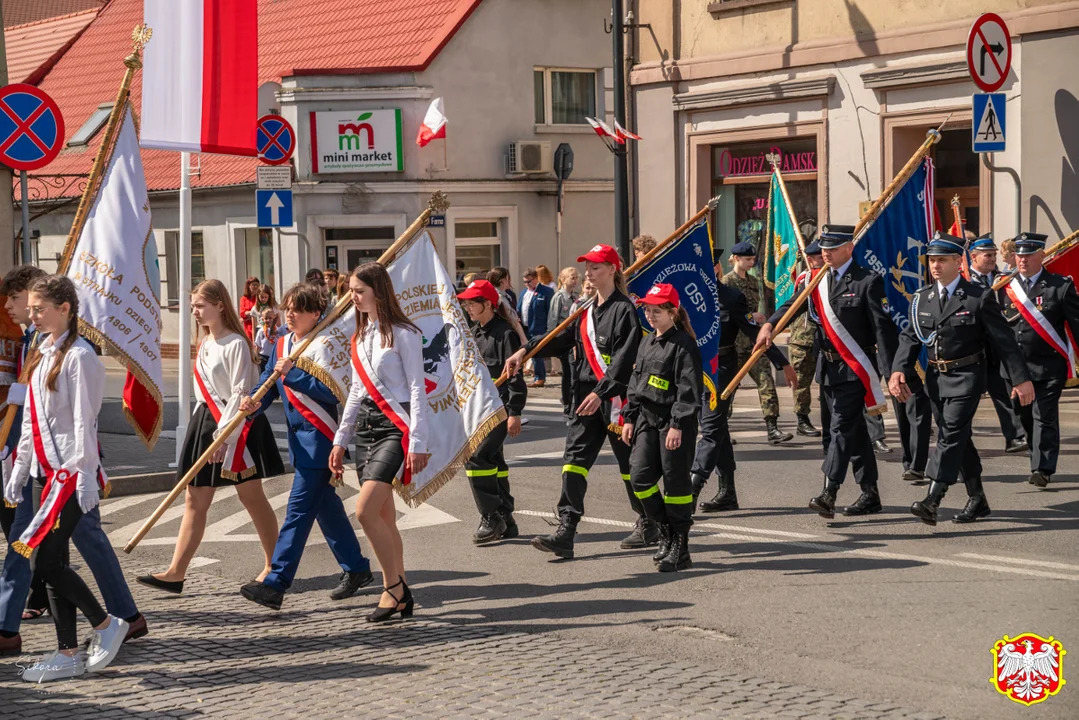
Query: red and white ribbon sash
<point>238,458</point>
<point>596,361</point>
<point>848,349</point>
<point>1041,325</point>
<point>308,407</point>
<point>392,409</point>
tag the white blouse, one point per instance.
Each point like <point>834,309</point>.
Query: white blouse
<point>71,413</point>
<point>227,369</point>
<point>400,369</point>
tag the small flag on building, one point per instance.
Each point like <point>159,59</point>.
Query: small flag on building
<point>624,134</point>
<point>604,130</point>
<point>434,124</point>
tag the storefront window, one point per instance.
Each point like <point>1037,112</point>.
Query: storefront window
<point>957,176</point>
<point>347,248</point>
<point>259,252</point>
<point>478,247</point>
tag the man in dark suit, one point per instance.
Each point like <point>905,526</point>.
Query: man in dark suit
<point>956,320</point>
<point>983,271</point>
<point>532,308</point>
<point>1039,305</point>
<point>854,327</point>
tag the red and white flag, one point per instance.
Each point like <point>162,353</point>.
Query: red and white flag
<point>200,76</point>
<point>434,124</point>
<point>604,130</point>
<point>624,134</point>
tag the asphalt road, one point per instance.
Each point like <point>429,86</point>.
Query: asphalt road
<point>883,608</point>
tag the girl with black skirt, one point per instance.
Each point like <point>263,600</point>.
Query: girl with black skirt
<point>661,423</point>
<point>387,412</point>
<point>226,369</point>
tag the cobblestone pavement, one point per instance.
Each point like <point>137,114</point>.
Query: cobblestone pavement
<point>207,656</point>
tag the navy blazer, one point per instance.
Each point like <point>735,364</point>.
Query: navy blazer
<point>537,309</point>
<point>307,447</point>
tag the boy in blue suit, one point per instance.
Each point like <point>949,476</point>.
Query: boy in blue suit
<point>532,308</point>
<point>311,416</point>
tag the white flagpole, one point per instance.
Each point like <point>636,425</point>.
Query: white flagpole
<point>184,343</point>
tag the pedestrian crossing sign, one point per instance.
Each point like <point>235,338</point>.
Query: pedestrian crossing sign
<point>989,122</point>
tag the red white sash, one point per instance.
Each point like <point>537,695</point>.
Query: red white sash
<point>308,407</point>
<point>849,350</point>
<point>383,398</point>
<point>597,362</point>
<point>1041,324</point>
<point>238,462</point>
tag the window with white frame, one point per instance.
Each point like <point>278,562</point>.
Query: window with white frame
<point>478,247</point>
<point>563,96</point>
<point>172,264</point>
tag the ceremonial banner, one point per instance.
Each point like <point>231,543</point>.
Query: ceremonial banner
<point>1067,264</point>
<point>462,401</point>
<point>780,245</point>
<point>114,267</point>
<point>687,264</point>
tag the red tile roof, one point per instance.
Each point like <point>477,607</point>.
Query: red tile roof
<point>33,48</point>
<point>21,12</point>
<point>295,37</point>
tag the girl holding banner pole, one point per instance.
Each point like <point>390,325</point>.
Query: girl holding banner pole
<point>387,413</point>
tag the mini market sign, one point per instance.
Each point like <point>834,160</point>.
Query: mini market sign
<point>356,141</point>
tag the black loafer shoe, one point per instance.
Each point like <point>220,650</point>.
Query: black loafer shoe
<point>168,586</point>
<point>1039,479</point>
<point>264,595</point>
<point>1017,445</point>
<point>351,582</point>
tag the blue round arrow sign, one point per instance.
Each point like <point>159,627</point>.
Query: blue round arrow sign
<point>31,127</point>
<point>276,140</point>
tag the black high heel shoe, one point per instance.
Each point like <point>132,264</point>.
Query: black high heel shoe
<point>382,614</point>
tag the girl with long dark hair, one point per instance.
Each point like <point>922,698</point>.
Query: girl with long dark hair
<point>247,303</point>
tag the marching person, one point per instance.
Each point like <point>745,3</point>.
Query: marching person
<point>851,310</point>
<point>311,418</point>
<point>983,271</point>
<point>715,448</point>
<point>58,456</point>
<point>803,351</point>
<point>532,308</point>
<point>744,258</point>
<point>88,536</point>
<point>1040,306</point>
<point>955,320</point>
<point>606,340</point>
<point>487,471</point>
<point>225,370</point>
<point>663,399</point>
<point>387,411</point>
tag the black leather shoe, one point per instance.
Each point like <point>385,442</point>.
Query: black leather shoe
<point>560,542</point>
<point>881,448</point>
<point>914,476</point>
<point>866,504</point>
<point>977,507</point>
<point>351,582</point>
<point>805,427</point>
<point>512,531</point>
<point>926,509</point>
<point>775,435</point>
<point>664,543</point>
<point>645,534</point>
<point>11,645</point>
<point>1039,478</point>
<point>678,556</point>
<point>167,585</point>
<point>264,595</point>
<point>1017,445</point>
<point>492,527</point>
<point>824,504</point>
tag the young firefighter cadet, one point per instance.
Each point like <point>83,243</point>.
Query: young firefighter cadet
<point>664,397</point>
<point>487,471</point>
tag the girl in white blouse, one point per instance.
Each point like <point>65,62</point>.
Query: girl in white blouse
<point>225,371</point>
<point>387,413</point>
<point>58,453</point>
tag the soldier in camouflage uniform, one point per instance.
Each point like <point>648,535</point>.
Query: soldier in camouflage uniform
<point>744,257</point>
<point>803,354</point>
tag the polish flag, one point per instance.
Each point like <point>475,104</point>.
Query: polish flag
<point>434,124</point>
<point>624,134</point>
<point>200,76</point>
<point>604,130</point>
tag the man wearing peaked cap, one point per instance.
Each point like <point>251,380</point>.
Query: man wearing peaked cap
<point>834,236</point>
<point>1039,305</point>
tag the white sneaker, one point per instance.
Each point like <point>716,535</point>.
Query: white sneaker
<point>105,644</point>
<point>524,420</point>
<point>56,666</point>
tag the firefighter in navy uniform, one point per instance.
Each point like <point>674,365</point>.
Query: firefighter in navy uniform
<point>663,400</point>
<point>714,446</point>
<point>606,337</point>
<point>1039,305</point>
<point>852,308</point>
<point>956,320</point>
<point>487,471</point>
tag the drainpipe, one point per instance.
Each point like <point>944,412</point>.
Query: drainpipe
<point>987,159</point>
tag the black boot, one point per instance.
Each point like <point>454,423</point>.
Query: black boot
<point>725,499</point>
<point>824,503</point>
<point>512,531</point>
<point>645,534</point>
<point>866,504</point>
<point>698,482</point>
<point>805,427</point>
<point>977,506</point>
<point>560,542</point>
<point>678,557</point>
<point>492,527</point>
<point>775,435</point>
<point>926,510</point>
<point>664,543</point>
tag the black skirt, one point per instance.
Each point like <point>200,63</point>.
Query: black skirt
<point>200,434</point>
<point>380,455</point>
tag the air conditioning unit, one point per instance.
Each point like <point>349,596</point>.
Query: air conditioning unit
<point>530,157</point>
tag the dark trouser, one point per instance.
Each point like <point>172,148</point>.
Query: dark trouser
<point>489,475</point>
<point>1041,420</point>
<point>874,425</point>
<point>67,591</point>
<point>649,459</point>
<point>567,382</point>
<point>848,439</point>
<point>915,425</point>
<point>714,449</point>
<point>585,436</point>
<point>955,452</point>
<point>1000,392</point>
<point>539,365</point>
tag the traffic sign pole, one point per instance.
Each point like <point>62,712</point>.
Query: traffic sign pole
<point>27,257</point>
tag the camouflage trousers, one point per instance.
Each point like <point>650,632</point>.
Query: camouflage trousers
<point>762,376</point>
<point>804,360</point>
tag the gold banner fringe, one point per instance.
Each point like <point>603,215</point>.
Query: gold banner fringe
<point>22,548</point>
<point>878,410</point>
<point>242,475</point>
<point>712,392</point>
<point>107,490</point>
<point>337,481</point>
<point>319,373</point>
<point>9,506</point>
<point>447,474</point>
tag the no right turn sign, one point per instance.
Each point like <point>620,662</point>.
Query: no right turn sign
<point>989,52</point>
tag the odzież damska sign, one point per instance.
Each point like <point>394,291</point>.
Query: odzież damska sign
<point>356,141</point>
<point>731,165</point>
